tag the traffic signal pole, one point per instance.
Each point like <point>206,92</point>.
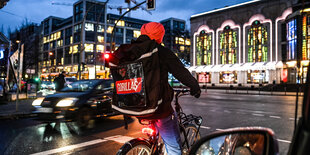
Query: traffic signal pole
<point>112,35</point>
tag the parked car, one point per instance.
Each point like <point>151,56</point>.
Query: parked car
<point>258,140</point>
<point>81,101</point>
<point>47,85</point>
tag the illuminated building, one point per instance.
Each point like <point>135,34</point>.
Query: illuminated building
<point>76,44</point>
<point>177,37</point>
<point>255,42</point>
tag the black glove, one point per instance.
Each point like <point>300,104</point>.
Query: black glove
<point>195,93</point>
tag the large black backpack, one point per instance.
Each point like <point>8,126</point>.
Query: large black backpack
<point>137,79</point>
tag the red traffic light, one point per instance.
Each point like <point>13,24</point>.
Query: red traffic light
<point>106,56</point>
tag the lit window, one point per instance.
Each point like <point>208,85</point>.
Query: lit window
<point>71,39</point>
<point>182,48</point>
<point>59,43</point>
<point>100,39</point>
<point>51,37</point>
<point>89,27</point>
<point>176,40</point>
<point>89,47</point>
<point>306,37</point>
<point>204,48</point>
<point>136,33</point>
<point>100,28</point>
<point>257,43</point>
<point>58,35</point>
<point>75,49</point>
<point>100,48</point>
<point>44,40</point>
<point>109,30</point>
<point>228,46</point>
<point>120,23</point>
<point>70,50</point>
<point>181,41</point>
<point>187,42</point>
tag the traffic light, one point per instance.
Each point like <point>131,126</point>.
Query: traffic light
<point>150,4</point>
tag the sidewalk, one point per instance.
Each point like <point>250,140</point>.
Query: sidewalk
<point>8,109</point>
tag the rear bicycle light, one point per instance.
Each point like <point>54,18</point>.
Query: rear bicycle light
<point>148,130</point>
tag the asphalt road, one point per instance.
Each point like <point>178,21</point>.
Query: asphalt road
<point>218,109</point>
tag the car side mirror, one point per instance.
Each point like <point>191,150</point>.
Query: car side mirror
<point>238,141</point>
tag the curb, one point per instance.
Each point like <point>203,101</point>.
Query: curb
<point>16,116</point>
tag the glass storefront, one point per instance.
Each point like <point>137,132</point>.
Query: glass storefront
<point>204,78</point>
<point>257,77</point>
<point>228,77</point>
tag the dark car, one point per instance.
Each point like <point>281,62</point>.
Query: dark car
<point>80,101</point>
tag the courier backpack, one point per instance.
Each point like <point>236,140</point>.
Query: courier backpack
<point>136,78</point>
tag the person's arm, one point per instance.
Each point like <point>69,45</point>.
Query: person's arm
<point>177,69</point>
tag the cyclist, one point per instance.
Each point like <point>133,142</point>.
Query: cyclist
<point>165,117</point>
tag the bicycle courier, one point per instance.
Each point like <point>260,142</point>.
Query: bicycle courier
<point>136,75</point>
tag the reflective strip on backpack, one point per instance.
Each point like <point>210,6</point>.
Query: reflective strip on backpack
<point>130,112</point>
<point>148,54</point>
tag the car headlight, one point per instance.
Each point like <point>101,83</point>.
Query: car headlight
<point>67,102</point>
<point>37,101</point>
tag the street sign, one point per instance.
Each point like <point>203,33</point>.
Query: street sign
<point>150,4</point>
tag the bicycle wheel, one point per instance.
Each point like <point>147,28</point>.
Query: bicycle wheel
<point>137,147</point>
<point>192,134</point>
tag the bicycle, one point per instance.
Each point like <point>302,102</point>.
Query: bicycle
<point>189,130</point>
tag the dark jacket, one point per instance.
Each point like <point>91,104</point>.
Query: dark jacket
<point>169,62</point>
<point>59,82</point>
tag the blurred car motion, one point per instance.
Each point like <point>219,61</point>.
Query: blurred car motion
<point>70,80</point>
<point>47,85</point>
<point>80,101</point>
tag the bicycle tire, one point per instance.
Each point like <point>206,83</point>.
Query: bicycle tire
<point>135,147</point>
<point>192,137</point>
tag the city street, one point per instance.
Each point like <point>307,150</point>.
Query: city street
<point>218,109</point>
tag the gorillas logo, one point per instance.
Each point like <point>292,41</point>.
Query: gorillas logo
<point>129,86</point>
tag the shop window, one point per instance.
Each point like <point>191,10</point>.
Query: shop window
<point>100,39</point>
<point>257,43</point>
<point>100,48</point>
<point>204,48</point>
<point>228,46</point>
<point>292,39</point>
<point>228,77</point>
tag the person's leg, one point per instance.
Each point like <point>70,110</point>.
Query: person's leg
<point>169,131</point>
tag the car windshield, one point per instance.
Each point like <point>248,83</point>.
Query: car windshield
<point>80,86</point>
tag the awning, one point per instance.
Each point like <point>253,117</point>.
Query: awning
<point>207,68</point>
<point>191,68</point>
<point>216,68</point>
<point>199,69</point>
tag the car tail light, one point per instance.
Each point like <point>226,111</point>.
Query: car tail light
<point>148,131</point>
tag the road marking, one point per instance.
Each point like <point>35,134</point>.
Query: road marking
<point>275,117</point>
<point>213,110</point>
<point>219,129</point>
<point>121,139</point>
<point>205,127</point>
<point>75,146</point>
<point>227,111</point>
<point>292,118</point>
<point>284,141</point>
<point>258,115</point>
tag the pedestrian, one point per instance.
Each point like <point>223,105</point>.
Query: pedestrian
<point>165,118</point>
<point>60,81</point>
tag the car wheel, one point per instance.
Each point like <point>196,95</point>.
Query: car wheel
<point>85,118</point>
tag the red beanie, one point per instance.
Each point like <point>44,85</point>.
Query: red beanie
<point>154,30</point>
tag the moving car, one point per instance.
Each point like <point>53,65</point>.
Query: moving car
<point>69,80</point>
<point>47,85</point>
<point>258,140</point>
<point>81,101</point>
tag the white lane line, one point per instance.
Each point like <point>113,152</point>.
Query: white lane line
<point>205,127</point>
<point>75,146</point>
<point>278,117</point>
<point>258,115</point>
<point>219,129</point>
<point>292,118</point>
<point>121,139</point>
<point>284,141</point>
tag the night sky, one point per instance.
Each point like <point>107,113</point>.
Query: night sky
<point>17,11</point>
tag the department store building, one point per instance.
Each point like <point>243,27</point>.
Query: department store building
<point>256,42</point>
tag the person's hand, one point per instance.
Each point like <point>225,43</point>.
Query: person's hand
<point>196,93</point>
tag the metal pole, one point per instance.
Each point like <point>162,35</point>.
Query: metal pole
<point>105,34</point>
<point>18,79</point>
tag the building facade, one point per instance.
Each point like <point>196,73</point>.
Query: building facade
<point>76,44</point>
<point>177,37</point>
<point>248,43</point>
